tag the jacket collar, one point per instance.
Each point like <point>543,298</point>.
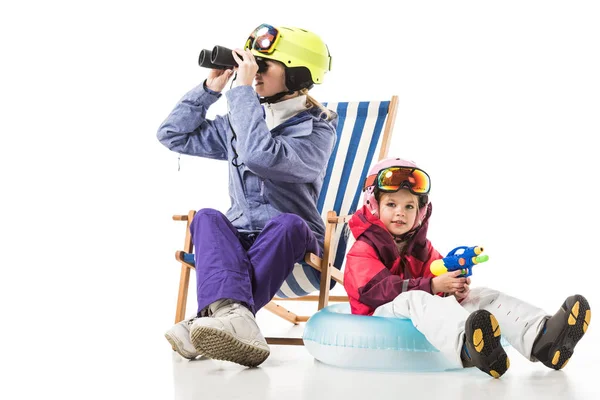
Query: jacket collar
<point>313,113</point>
<point>369,228</point>
<point>277,113</point>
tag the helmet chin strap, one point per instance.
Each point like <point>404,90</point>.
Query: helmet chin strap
<point>407,235</point>
<point>275,97</point>
<point>403,237</point>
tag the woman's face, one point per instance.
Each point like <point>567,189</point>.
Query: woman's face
<point>271,81</point>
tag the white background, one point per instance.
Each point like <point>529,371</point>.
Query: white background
<point>499,103</point>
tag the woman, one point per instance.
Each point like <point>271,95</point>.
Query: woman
<point>278,153</point>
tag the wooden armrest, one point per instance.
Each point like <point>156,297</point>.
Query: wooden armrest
<point>315,261</point>
<point>190,216</point>
<point>340,219</point>
<point>179,257</point>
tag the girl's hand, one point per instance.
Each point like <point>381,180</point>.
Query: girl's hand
<point>247,66</point>
<point>218,78</point>
<point>462,294</point>
<point>448,283</point>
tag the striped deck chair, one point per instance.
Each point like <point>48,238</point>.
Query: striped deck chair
<point>364,129</point>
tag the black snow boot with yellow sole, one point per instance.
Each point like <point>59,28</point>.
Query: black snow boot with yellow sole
<point>556,342</point>
<point>482,348</point>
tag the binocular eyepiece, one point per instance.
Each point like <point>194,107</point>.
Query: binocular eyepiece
<point>221,58</point>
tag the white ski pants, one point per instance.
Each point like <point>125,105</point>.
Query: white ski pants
<point>442,319</point>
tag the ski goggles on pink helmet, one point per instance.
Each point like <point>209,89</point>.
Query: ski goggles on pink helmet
<point>392,174</point>
<point>392,179</point>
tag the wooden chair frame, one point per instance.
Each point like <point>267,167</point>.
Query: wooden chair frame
<point>324,265</point>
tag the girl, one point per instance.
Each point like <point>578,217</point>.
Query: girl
<point>388,274</point>
<point>277,155</point>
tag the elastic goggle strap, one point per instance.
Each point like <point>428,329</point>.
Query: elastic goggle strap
<point>392,179</point>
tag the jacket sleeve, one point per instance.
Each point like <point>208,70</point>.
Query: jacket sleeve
<point>187,131</point>
<point>300,156</point>
<point>432,255</point>
<point>371,283</point>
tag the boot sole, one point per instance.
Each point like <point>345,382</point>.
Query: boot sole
<point>579,318</point>
<point>178,348</point>
<point>220,345</point>
<point>482,334</point>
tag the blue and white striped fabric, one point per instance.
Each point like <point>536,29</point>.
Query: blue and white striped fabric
<point>358,140</point>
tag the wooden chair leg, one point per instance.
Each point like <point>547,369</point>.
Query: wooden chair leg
<point>184,277</point>
<point>285,341</point>
<point>312,298</point>
<point>184,281</point>
<point>326,264</point>
<point>282,312</point>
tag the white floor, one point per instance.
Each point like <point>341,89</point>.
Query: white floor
<point>292,373</point>
<point>125,356</point>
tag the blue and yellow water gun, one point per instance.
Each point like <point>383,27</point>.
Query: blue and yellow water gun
<point>462,258</point>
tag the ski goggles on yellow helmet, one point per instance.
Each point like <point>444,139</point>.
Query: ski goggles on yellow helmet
<point>263,39</point>
<point>392,179</point>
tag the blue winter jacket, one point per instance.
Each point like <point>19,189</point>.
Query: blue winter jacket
<point>282,169</point>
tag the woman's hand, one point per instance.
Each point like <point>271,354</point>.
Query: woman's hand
<point>218,78</point>
<point>247,66</point>
<point>448,282</point>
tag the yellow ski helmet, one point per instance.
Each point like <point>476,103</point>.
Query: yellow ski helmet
<point>303,53</point>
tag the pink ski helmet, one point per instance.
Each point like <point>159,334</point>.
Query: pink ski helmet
<point>419,184</point>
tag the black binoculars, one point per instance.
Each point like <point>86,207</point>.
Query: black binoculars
<point>221,58</point>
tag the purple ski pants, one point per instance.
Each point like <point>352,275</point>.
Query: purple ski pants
<point>249,268</point>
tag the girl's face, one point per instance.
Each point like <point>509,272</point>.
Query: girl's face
<point>271,81</point>
<point>398,211</point>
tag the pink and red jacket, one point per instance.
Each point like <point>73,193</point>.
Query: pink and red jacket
<point>376,272</point>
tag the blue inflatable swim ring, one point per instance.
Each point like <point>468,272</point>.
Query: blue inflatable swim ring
<point>334,336</point>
